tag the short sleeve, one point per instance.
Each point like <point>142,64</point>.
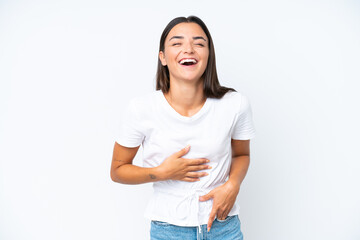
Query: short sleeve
<point>130,134</point>
<point>243,126</point>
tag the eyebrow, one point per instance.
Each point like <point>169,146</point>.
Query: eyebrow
<point>181,37</point>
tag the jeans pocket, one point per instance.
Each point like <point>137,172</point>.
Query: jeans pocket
<point>226,219</point>
<point>159,223</point>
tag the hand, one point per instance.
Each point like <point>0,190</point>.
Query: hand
<point>224,198</point>
<point>177,168</point>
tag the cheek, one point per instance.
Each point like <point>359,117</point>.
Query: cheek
<point>205,56</point>
<point>171,52</point>
<point>170,58</point>
<point>206,59</point>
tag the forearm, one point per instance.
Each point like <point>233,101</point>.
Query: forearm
<point>131,174</point>
<point>238,170</point>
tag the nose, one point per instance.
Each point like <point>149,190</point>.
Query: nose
<point>188,48</point>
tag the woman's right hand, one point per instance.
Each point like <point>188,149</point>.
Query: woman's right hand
<point>177,168</point>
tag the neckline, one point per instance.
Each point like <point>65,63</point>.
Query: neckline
<point>177,115</point>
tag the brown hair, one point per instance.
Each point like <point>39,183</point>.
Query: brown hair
<point>212,87</point>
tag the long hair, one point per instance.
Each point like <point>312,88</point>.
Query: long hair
<point>212,87</point>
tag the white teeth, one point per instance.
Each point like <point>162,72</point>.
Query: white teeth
<point>188,60</point>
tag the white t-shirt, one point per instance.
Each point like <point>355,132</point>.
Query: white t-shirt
<point>151,121</point>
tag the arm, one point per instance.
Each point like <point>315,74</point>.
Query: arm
<point>240,162</point>
<point>123,171</point>
<point>225,195</point>
<point>173,167</point>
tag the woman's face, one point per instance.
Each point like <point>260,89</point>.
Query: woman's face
<point>186,52</point>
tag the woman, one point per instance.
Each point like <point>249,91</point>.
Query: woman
<point>195,188</point>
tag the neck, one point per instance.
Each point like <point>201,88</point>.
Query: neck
<point>186,98</point>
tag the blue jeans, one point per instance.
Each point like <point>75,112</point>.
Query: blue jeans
<point>228,229</point>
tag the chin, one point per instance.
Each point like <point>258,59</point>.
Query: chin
<point>192,78</point>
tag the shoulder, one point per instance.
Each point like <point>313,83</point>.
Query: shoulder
<point>143,105</point>
<point>237,101</point>
<point>139,103</point>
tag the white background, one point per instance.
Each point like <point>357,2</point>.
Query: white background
<point>67,69</point>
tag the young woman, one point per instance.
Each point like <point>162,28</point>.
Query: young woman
<point>195,187</point>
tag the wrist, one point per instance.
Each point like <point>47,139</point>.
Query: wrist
<point>235,185</point>
<point>159,174</point>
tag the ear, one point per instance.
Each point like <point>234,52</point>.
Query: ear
<point>162,58</point>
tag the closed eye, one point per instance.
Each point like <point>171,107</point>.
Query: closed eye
<point>175,44</point>
<point>200,44</point>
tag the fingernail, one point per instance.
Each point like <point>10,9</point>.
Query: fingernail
<point>209,167</point>
<point>208,229</point>
<point>187,147</point>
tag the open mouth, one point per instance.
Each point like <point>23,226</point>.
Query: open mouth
<point>188,61</point>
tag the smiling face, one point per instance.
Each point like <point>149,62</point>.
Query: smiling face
<point>186,52</point>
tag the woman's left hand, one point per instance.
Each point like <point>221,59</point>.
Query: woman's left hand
<point>224,198</point>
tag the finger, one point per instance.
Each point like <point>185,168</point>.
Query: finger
<point>220,212</point>
<point>221,215</point>
<point>183,151</point>
<point>196,174</point>
<point>211,219</point>
<point>225,214</point>
<point>190,179</point>
<point>197,161</point>
<point>198,168</point>
<point>206,197</point>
